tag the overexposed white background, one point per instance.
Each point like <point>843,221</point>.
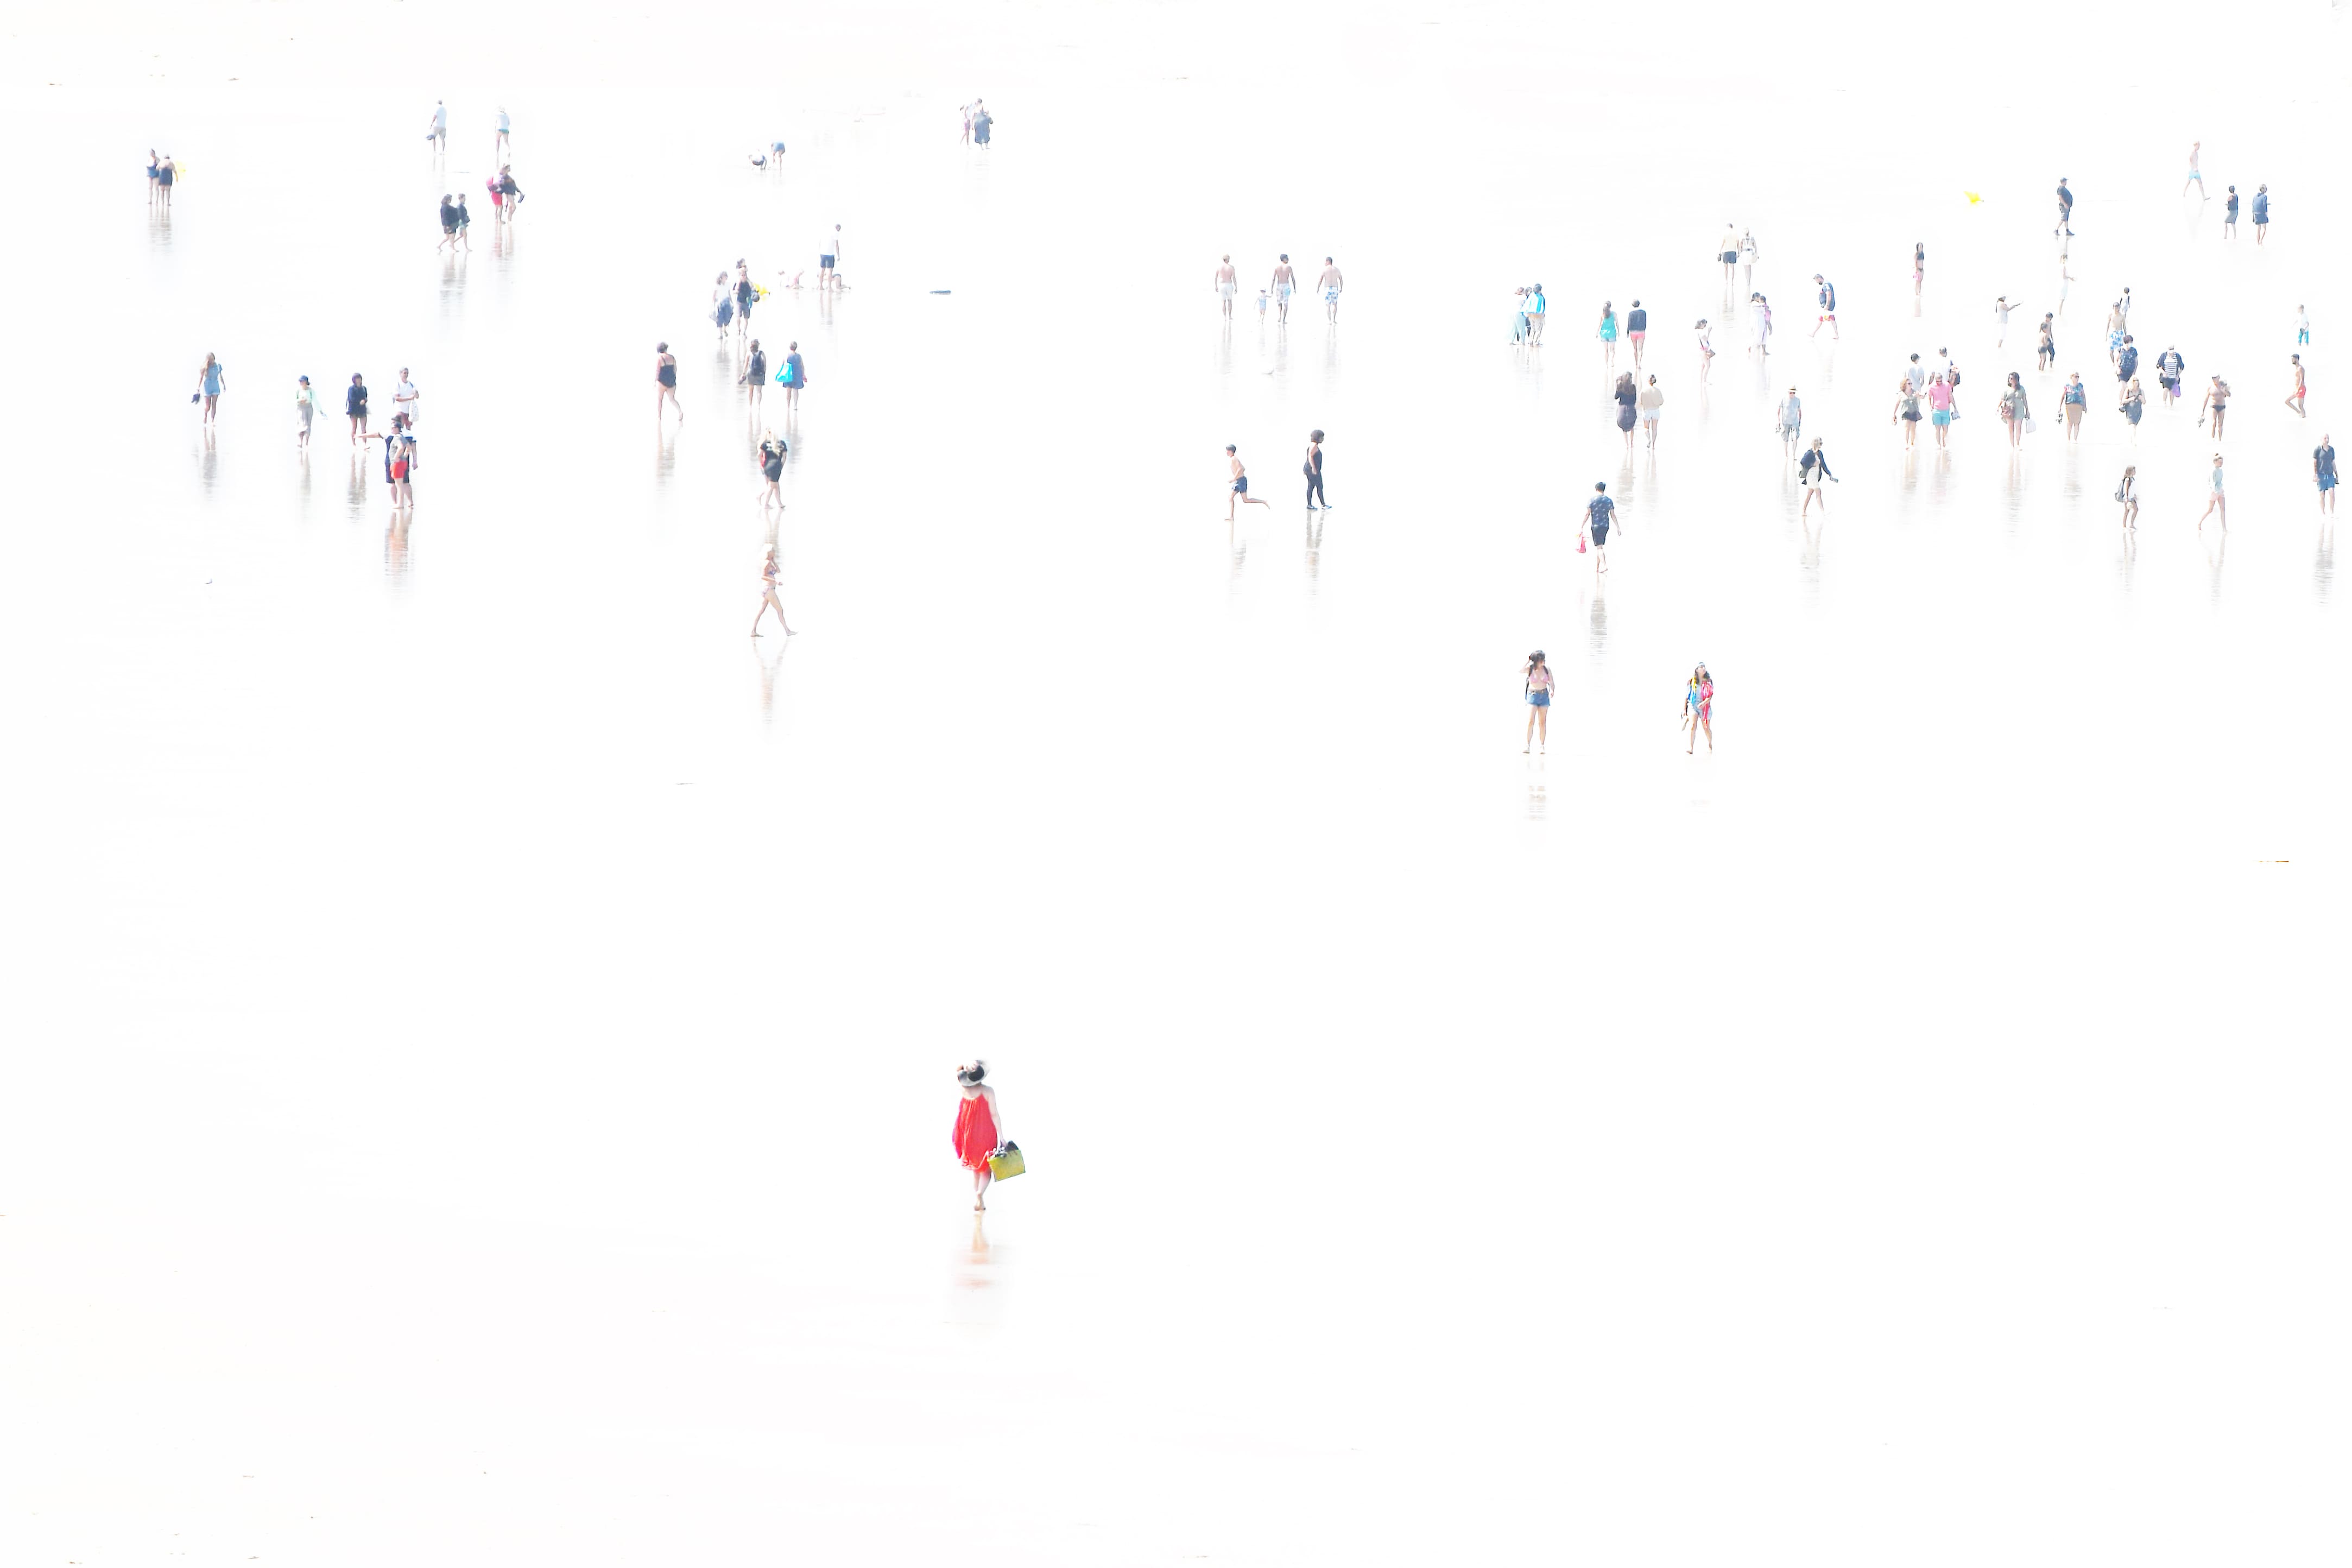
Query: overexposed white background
<point>478,1074</point>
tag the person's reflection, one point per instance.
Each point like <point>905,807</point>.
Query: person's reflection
<point>1597,610</point>
<point>771,665</point>
<point>208,470</point>
<point>2323,565</point>
<point>1240,547</point>
<point>664,455</point>
<point>395,548</point>
<point>1538,803</point>
<point>1314,547</point>
<point>2214,556</point>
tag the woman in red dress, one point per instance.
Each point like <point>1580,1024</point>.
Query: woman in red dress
<point>978,1129</point>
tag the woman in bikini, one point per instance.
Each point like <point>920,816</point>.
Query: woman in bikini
<point>666,383</point>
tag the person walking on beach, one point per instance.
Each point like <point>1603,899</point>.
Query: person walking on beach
<point>722,305</point>
<point>2217,501</point>
<point>211,380</point>
<point>1705,350</point>
<point>795,375</point>
<point>2322,473</point>
<point>1536,310</point>
<point>1914,375</point>
<point>2045,353</point>
<point>983,124</point>
<point>403,398</point>
<point>2295,398</point>
<point>1919,266</point>
<point>510,193</point>
<point>2127,492</point>
<point>1652,400</point>
<point>2013,408</point>
<point>1907,412</point>
<point>2169,366</point>
<point>828,260</point>
<point>448,223</point>
<point>1939,409</point>
<point>1813,473</point>
<point>1747,259</point>
<point>1760,325</point>
<point>666,383</point>
<point>1600,516</point>
<point>1637,328</point>
<point>2217,402</point>
<point>502,149</point>
<point>1827,298</point>
<point>355,399</point>
<point>2196,178</point>
<point>166,174</point>
<point>2065,210</point>
<point>465,223</point>
<point>306,408</point>
<point>438,132</point>
<point>769,601</point>
<point>1729,254</point>
<point>2001,310</point>
<point>2133,403</point>
<point>2071,402</point>
<point>755,379</point>
<point>2301,327</point>
<point>1607,333</point>
<point>2262,212</point>
<point>2230,214</point>
<point>1224,283</point>
<point>1329,285</point>
<point>1535,686</point>
<point>979,1128</point>
<point>1698,709</point>
<point>1627,399</point>
<point>155,176</point>
<point>2126,359</point>
<point>1237,492</point>
<point>770,461</point>
<point>746,294</point>
<point>1788,421</point>
<point>1285,282</point>
<point>1316,499</point>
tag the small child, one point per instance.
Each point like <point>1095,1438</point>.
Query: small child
<point>1264,299</point>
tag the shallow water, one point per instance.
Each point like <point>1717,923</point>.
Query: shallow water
<point>488,1022</point>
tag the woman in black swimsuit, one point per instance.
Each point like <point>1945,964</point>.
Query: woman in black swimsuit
<point>356,404</point>
<point>1626,397</point>
<point>755,376</point>
<point>666,378</point>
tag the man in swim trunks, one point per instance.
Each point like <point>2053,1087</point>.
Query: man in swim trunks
<point>2065,209</point>
<point>1224,284</point>
<point>1285,280</point>
<point>1329,285</point>
<point>1240,488</point>
<point>439,135</point>
<point>1828,297</point>
<point>828,257</point>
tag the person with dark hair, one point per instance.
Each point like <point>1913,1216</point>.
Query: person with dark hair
<point>1314,471</point>
<point>1627,399</point>
<point>793,376</point>
<point>448,222</point>
<point>2217,501</point>
<point>2323,472</point>
<point>2013,409</point>
<point>1826,298</point>
<point>1637,329</point>
<point>2230,215</point>
<point>356,404</point>
<point>755,377</point>
<point>979,1128</point>
<point>1239,490</point>
<point>665,380</point>
<point>1286,283</point>
<point>2262,212</point>
<point>2065,209</point>
<point>1329,285</point>
<point>1535,686</point>
<point>1600,516</point>
<point>770,459</point>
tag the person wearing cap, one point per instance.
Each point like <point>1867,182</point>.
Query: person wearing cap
<point>1535,684</point>
<point>1239,488</point>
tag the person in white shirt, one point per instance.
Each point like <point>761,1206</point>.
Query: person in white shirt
<point>504,150</point>
<point>828,259</point>
<point>1916,375</point>
<point>439,135</point>
<point>404,397</point>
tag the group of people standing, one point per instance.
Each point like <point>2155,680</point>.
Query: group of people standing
<point>1277,294</point>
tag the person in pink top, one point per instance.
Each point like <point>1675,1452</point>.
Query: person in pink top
<point>1939,408</point>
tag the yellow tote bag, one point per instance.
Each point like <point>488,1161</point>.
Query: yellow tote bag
<point>1006,1162</point>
